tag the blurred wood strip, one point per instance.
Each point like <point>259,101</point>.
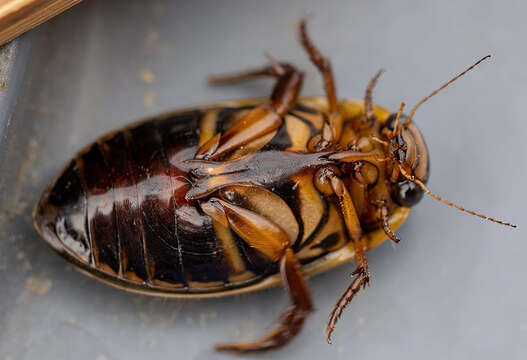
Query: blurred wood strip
<point>19,16</point>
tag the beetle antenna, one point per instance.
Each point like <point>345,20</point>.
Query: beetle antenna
<point>442,87</point>
<point>449,203</point>
<point>396,124</point>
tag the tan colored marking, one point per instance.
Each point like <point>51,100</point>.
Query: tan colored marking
<point>106,268</point>
<point>270,206</point>
<point>132,276</point>
<point>166,284</point>
<point>207,126</point>
<point>230,250</point>
<point>319,103</point>
<point>311,204</point>
<point>298,132</point>
<point>333,225</point>
<point>199,284</point>
<point>348,135</point>
<point>354,110</point>
<point>315,119</point>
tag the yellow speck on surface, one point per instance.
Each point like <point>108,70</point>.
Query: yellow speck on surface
<point>149,98</point>
<point>38,286</point>
<point>26,266</point>
<point>147,76</point>
<point>152,36</point>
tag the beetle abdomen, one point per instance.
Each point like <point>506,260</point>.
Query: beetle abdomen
<point>119,208</point>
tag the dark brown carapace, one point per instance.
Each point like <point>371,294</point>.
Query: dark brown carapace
<point>238,196</point>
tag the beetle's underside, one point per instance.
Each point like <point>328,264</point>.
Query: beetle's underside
<point>321,264</point>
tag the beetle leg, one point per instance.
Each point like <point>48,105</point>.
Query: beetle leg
<point>368,104</point>
<point>323,65</point>
<point>273,242</point>
<point>329,182</point>
<point>262,119</point>
<point>274,70</point>
<point>383,207</point>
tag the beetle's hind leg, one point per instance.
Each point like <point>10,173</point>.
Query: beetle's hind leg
<point>291,320</point>
<point>262,119</point>
<point>272,241</point>
<point>273,70</point>
<point>328,182</point>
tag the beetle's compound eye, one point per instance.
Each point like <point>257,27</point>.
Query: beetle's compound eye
<point>407,193</point>
<point>390,122</point>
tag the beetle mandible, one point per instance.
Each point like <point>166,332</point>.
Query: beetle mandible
<point>238,196</point>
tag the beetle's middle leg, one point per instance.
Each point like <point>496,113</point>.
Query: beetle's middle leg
<point>332,130</point>
<point>260,120</point>
<point>328,182</point>
<point>272,241</point>
<point>368,103</point>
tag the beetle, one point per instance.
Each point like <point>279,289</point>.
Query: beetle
<point>238,196</point>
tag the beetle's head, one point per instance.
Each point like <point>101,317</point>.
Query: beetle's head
<point>406,149</point>
<point>407,156</point>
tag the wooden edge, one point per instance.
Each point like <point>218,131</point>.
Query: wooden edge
<point>19,16</point>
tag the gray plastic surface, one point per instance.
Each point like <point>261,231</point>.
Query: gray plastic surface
<point>454,288</point>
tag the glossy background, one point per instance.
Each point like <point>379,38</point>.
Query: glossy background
<point>453,288</point>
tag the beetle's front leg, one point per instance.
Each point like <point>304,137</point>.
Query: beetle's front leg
<point>382,205</point>
<point>329,183</point>
<point>260,120</point>
<point>272,241</point>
